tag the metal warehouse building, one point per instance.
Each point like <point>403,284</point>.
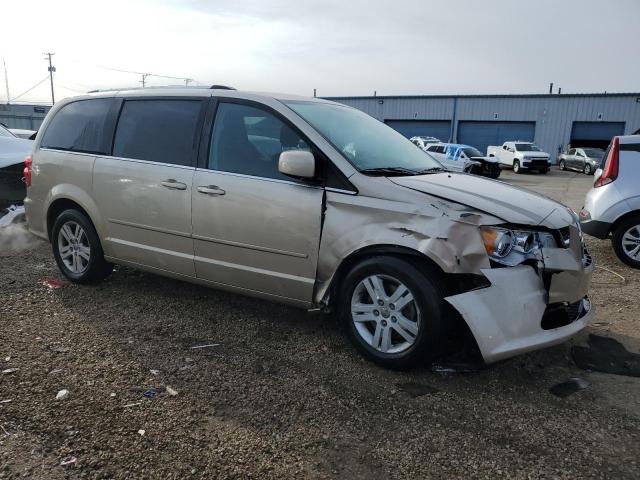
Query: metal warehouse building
<point>552,121</point>
<point>17,115</point>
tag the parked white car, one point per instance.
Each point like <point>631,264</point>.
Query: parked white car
<point>422,141</point>
<point>520,156</point>
<point>463,158</point>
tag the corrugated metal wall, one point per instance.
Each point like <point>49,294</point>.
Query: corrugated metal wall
<point>29,117</point>
<point>553,114</point>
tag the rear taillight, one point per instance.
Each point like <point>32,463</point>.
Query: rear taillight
<point>610,168</point>
<point>27,170</point>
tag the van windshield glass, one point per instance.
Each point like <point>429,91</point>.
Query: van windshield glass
<point>527,147</point>
<point>369,145</point>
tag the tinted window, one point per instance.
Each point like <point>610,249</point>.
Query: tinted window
<point>572,151</point>
<point>80,127</point>
<point>249,140</point>
<point>158,130</point>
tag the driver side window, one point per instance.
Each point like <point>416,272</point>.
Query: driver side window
<point>249,140</point>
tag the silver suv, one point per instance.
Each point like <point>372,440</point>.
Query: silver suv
<point>310,203</point>
<point>612,206</point>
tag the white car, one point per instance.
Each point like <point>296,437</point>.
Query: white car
<point>520,156</point>
<point>463,158</point>
<point>422,141</point>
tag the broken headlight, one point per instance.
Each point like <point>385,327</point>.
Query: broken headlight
<point>512,247</point>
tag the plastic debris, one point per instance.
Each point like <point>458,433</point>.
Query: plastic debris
<point>152,392</point>
<point>9,371</point>
<point>141,432</point>
<point>62,394</point>
<point>569,387</point>
<point>155,372</point>
<point>171,391</point>
<point>52,283</point>
<point>129,405</point>
<point>14,214</point>
<point>210,345</point>
<point>6,359</point>
<point>69,461</point>
<point>5,401</point>
<point>112,395</point>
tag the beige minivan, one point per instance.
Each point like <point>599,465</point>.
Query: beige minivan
<point>310,203</point>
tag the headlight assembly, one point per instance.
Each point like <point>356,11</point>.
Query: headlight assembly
<point>512,247</point>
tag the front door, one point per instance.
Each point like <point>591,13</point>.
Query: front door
<point>253,227</point>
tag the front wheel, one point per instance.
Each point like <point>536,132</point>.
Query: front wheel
<point>587,169</point>
<point>77,249</point>
<point>626,241</point>
<point>516,166</point>
<point>562,165</point>
<point>393,312</point>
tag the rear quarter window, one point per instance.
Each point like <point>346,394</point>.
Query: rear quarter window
<point>80,127</point>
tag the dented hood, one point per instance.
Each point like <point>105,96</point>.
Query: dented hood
<point>512,204</point>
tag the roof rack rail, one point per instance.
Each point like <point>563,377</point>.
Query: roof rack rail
<point>221,87</point>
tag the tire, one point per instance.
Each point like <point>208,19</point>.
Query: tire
<point>72,233</point>
<point>587,169</point>
<point>516,167</point>
<point>562,165</point>
<point>626,239</point>
<point>424,313</point>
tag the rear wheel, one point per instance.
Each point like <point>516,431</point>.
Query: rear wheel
<point>587,169</point>
<point>77,249</point>
<point>516,166</point>
<point>393,312</point>
<point>626,241</point>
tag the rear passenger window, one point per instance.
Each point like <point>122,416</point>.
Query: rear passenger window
<point>162,131</point>
<point>80,127</point>
<point>249,140</point>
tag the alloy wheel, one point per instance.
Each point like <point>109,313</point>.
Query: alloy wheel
<point>631,243</point>
<point>73,247</point>
<point>385,314</point>
<point>587,169</point>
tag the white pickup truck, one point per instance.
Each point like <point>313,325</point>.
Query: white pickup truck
<point>520,156</point>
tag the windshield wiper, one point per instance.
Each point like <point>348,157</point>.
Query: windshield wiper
<point>432,170</point>
<point>388,171</point>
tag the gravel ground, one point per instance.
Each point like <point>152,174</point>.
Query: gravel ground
<point>283,395</point>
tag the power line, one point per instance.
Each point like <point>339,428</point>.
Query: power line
<point>27,91</point>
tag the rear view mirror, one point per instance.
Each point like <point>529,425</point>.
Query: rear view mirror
<point>297,163</point>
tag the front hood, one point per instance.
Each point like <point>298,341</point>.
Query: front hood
<point>13,150</point>
<point>512,204</point>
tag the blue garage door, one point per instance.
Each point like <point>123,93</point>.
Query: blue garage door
<point>594,134</point>
<point>428,128</point>
<point>483,134</point>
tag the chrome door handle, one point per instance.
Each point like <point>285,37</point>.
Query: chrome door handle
<point>173,184</point>
<point>211,190</point>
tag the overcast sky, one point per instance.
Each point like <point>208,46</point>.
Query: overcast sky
<point>340,47</point>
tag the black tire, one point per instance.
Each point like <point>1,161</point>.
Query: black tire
<point>587,169</point>
<point>618,234</point>
<point>97,268</point>
<point>432,329</point>
<point>516,167</point>
<point>562,165</point>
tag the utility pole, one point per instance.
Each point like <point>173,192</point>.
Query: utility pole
<point>51,70</point>
<point>144,79</point>
<point>6,80</point>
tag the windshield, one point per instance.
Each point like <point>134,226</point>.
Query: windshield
<point>472,152</point>
<point>593,152</point>
<point>364,141</point>
<point>5,133</point>
<point>527,147</point>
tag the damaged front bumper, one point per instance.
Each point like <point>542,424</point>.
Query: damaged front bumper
<point>525,308</point>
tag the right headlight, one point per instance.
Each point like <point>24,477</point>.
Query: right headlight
<point>512,247</point>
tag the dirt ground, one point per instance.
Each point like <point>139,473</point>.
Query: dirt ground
<point>283,394</point>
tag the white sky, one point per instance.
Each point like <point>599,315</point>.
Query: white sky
<point>340,47</point>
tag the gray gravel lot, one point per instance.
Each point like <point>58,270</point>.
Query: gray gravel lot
<point>284,395</point>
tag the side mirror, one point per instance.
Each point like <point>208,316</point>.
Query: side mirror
<point>597,174</point>
<point>297,164</point>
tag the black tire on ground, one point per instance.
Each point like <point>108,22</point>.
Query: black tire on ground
<point>432,329</point>
<point>618,233</point>
<point>98,268</point>
<point>516,167</point>
<point>587,169</point>
<point>561,165</point>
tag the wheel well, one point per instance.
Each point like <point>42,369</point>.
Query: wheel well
<point>622,218</point>
<point>59,206</point>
